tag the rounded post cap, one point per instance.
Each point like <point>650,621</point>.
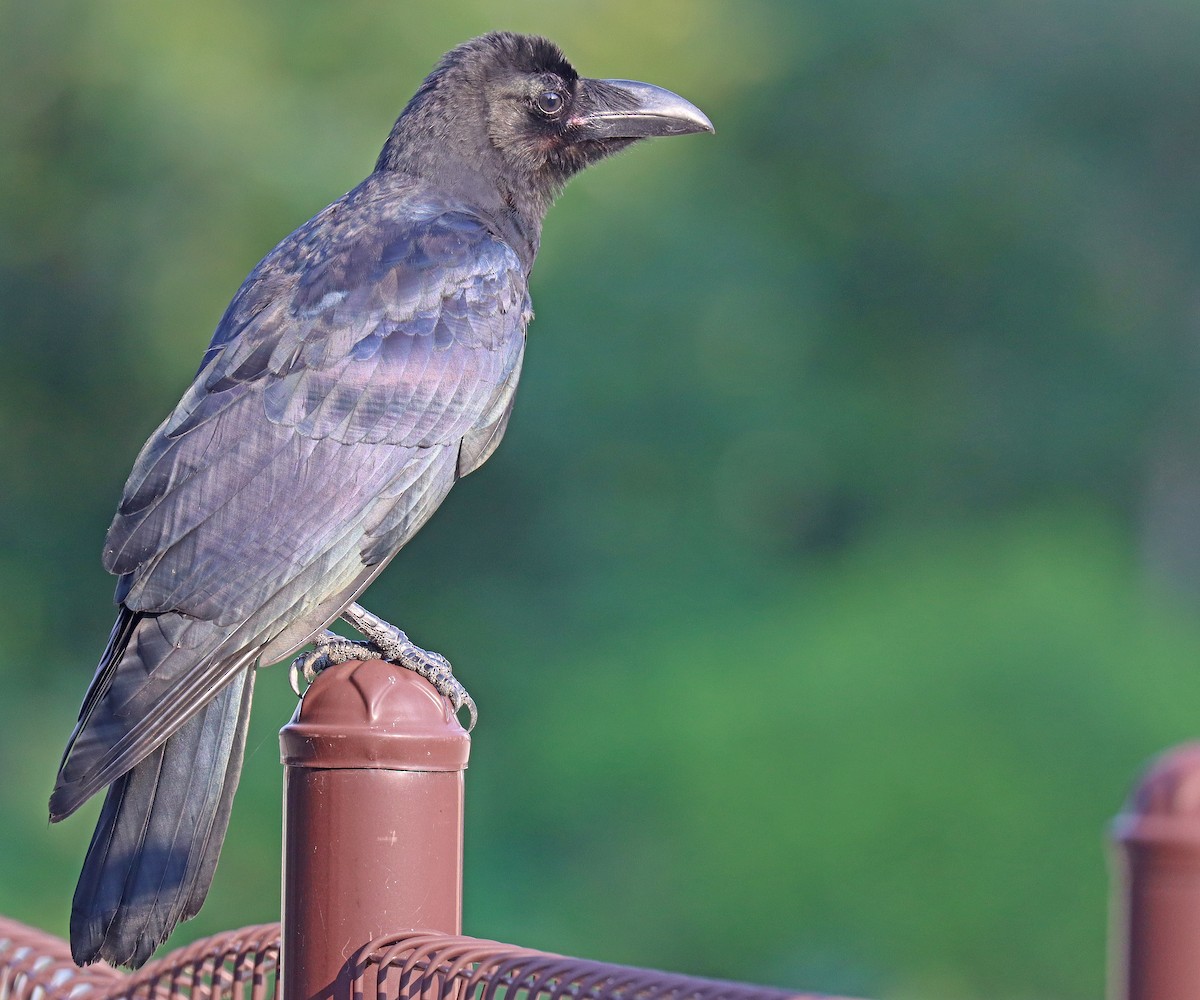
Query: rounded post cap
<point>1164,806</point>
<point>373,714</point>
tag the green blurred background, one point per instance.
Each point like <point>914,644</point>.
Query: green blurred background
<point>840,568</point>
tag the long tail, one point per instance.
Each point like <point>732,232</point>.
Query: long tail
<point>152,857</point>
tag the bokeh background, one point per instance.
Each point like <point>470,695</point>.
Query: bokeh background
<point>840,568</point>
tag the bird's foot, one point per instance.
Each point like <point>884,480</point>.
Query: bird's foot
<point>398,648</point>
<point>329,649</point>
<point>386,642</point>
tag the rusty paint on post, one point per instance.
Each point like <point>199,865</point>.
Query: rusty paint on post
<point>373,804</point>
<point>1155,945</point>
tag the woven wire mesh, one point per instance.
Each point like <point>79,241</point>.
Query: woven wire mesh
<point>439,967</point>
<point>236,965</point>
<point>244,965</point>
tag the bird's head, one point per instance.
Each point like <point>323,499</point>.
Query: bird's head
<point>512,109</point>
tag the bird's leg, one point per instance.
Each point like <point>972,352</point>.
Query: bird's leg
<point>384,641</point>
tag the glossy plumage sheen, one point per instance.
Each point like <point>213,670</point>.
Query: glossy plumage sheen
<point>366,364</point>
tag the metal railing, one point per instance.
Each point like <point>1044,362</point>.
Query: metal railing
<point>244,964</point>
<point>372,901</point>
<point>236,965</point>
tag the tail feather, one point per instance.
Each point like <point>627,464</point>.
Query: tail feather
<point>210,851</point>
<point>152,857</point>
<point>157,670</point>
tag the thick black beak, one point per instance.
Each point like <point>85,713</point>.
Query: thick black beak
<point>626,109</point>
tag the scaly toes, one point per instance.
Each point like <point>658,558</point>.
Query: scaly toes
<point>450,688</point>
<point>436,669</point>
<point>329,649</point>
<point>391,644</point>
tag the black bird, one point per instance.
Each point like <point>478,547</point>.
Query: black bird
<point>366,364</point>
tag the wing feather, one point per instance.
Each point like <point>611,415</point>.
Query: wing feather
<point>324,427</point>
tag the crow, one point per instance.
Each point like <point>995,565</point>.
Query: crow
<point>365,365</point>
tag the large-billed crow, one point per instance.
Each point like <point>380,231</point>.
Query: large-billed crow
<point>366,364</point>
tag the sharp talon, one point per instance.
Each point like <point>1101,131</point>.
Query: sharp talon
<point>469,703</point>
<point>329,649</point>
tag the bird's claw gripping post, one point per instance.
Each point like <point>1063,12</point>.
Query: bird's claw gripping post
<point>329,649</point>
<point>386,642</point>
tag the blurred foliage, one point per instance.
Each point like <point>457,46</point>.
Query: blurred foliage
<point>839,570</point>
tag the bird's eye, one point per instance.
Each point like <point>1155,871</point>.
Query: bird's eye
<point>549,102</point>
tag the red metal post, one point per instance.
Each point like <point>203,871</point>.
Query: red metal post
<point>373,809</point>
<point>1155,943</point>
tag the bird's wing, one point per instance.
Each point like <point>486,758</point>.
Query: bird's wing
<point>325,425</point>
<point>385,355</point>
